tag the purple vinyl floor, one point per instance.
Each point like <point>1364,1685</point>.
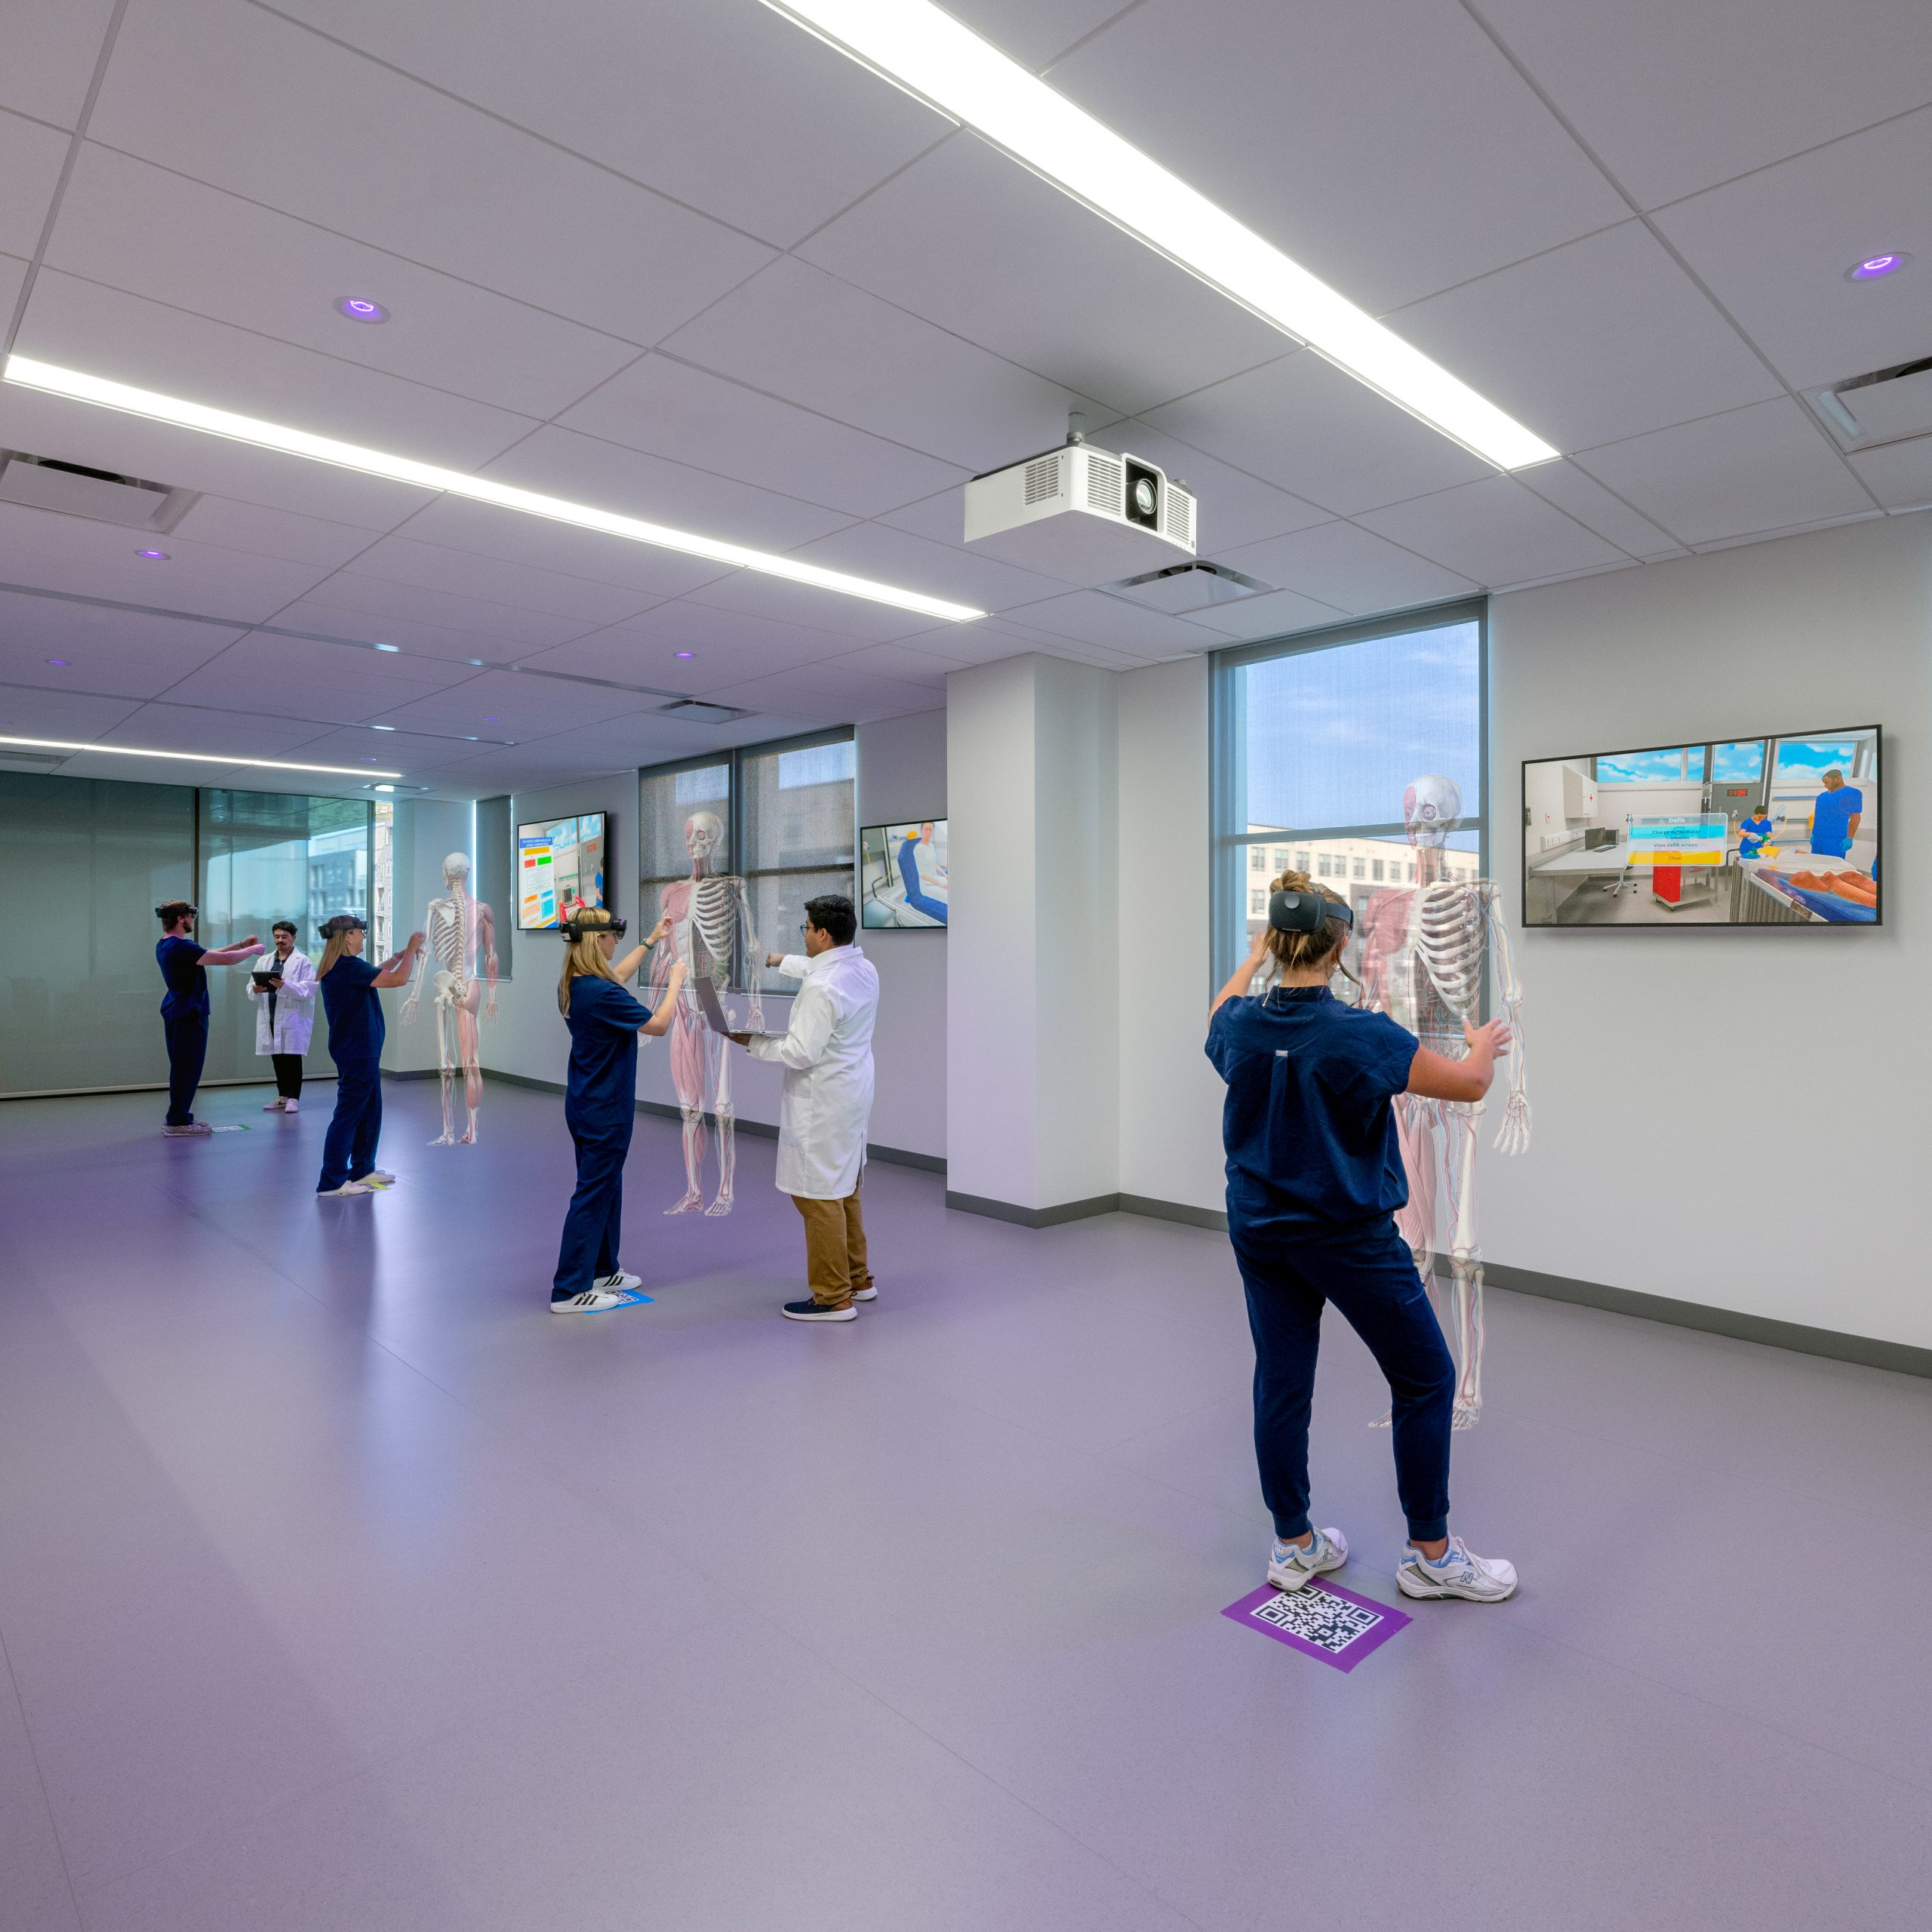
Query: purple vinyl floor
<point>342,1586</point>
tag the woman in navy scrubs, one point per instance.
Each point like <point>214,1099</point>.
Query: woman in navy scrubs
<point>349,983</point>
<point>600,1104</point>
<point>1315,1176</point>
<point>184,1006</point>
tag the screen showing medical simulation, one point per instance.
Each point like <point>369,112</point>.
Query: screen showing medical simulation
<point>903,877</point>
<point>559,870</point>
<point>1742,831</point>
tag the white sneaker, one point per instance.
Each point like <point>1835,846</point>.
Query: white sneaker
<point>291,1106</point>
<point>275,1105</point>
<point>1291,1568</point>
<point>591,1301</point>
<point>193,1128</point>
<point>377,1178</point>
<point>1480,1578</point>
<point>347,1187</point>
<point>619,1283</point>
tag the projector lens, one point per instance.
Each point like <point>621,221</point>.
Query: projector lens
<point>1145,501</point>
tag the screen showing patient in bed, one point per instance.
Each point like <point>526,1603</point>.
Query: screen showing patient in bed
<point>903,878</point>
<point>1771,831</point>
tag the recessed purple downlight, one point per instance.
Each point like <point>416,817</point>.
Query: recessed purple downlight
<point>688,653</point>
<point>1874,268</point>
<point>153,556</point>
<point>360,309</point>
<point>56,660</point>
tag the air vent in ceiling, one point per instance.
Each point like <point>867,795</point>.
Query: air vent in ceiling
<point>1190,586</point>
<point>695,711</point>
<point>47,483</point>
<point>1887,406</point>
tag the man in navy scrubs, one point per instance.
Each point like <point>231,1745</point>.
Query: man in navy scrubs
<point>184,1008</point>
<point>1835,817</point>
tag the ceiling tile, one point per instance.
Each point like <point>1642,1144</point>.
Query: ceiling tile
<point>105,332</point>
<point>543,546</point>
<point>27,712</point>
<point>31,157</point>
<point>1034,31</point>
<point>241,734</point>
<point>1566,486</point>
<point>13,275</point>
<point>953,570</point>
<point>513,631</point>
<point>1301,424</point>
<point>389,751</point>
<point>538,706</point>
<point>157,234</point>
<point>1766,468</point>
<point>184,459</point>
<point>289,119</point>
<point>273,532</point>
<point>1495,532</point>
<point>856,620</point>
<point>413,636</point>
<point>805,335</point>
<point>109,652</point>
<point>1276,614</point>
<point>470,574</point>
<point>1899,476</point>
<point>973,242</point>
<point>1775,247</point>
<point>310,680</point>
<point>585,470</point>
<point>1675,98</point>
<point>76,554</point>
<point>726,645</point>
<point>51,55</point>
<point>1091,616</point>
<point>830,697</point>
<point>1387,146</point>
<point>905,662</point>
<point>730,109</point>
<point>670,409</point>
<point>1350,568</point>
<point>1605,338</point>
<point>1234,507</point>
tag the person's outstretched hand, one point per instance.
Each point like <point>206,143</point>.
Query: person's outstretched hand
<point>1493,1039</point>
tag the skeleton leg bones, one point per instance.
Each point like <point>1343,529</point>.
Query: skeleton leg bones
<point>1465,1261</point>
<point>687,1077</point>
<point>717,1052</point>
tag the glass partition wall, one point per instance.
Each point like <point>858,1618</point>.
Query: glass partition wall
<point>1316,739</point>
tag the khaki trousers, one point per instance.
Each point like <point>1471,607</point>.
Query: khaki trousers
<point>835,1248</point>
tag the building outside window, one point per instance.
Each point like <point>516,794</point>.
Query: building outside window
<point>1319,735</point>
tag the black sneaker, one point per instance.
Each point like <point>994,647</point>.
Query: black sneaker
<point>812,1311</point>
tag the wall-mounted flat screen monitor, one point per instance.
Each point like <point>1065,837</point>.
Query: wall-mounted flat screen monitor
<point>1735,831</point>
<point>903,877</point>
<point>559,870</point>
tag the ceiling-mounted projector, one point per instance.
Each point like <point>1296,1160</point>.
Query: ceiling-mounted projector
<point>1081,513</point>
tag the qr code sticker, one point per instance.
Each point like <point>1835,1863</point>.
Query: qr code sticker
<point>1330,1623</point>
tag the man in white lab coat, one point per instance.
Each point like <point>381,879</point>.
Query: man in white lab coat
<point>827,1056</point>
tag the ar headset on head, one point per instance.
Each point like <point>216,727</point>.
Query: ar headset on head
<point>572,931</point>
<point>1304,911</point>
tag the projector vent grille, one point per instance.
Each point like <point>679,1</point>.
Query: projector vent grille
<point>1042,479</point>
<point>1180,516</point>
<point>1107,484</point>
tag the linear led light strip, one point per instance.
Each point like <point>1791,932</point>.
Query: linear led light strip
<point>924,51</point>
<point>200,758</point>
<point>83,388</point>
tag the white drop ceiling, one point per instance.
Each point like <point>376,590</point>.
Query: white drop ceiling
<point>688,263</point>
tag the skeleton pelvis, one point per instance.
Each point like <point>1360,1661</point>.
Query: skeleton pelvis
<point>452,988</point>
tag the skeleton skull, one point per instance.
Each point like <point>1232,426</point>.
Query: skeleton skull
<point>703,833</point>
<point>1431,809</point>
<point>456,868</point>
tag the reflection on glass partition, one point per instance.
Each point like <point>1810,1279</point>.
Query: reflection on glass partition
<point>1777,831</point>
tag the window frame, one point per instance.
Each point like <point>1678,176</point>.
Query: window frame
<point>733,759</point>
<point>1229,842</point>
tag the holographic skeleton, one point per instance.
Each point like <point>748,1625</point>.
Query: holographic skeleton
<point>1422,959</point>
<point>711,925</point>
<point>457,931</point>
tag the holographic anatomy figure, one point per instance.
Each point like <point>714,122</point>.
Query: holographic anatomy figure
<point>460,932</point>
<point>1424,949</point>
<point>711,925</point>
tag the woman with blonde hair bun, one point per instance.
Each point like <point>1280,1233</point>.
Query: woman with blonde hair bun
<point>600,1102</point>
<point>1315,1177</point>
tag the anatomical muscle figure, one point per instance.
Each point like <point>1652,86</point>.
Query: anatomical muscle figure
<point>711,924</point>
<point>459,931</point>
<point>1423,952</point>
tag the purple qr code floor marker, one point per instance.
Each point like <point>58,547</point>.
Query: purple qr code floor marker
<point>1320,1621</point>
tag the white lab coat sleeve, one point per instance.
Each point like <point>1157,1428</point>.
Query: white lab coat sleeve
<point>802,1046</point>
<point>793,965</point>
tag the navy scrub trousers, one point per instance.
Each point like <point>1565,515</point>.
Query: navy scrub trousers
<point>1371,1277</point>
<point>349,1151</point>
<point>599,1110</point>
<point>187,1035</point>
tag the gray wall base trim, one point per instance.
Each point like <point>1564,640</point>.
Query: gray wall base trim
<point>1033,1217</point>
<point>1865,1350</point>
<point>901,1157</point>
<point>159,1087</point>
<point>1174,1210</point>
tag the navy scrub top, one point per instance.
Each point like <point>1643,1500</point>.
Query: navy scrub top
<point>355,1008</point>
<point>604,1021</point>
<point>1309,1129</point>
<point>187,977</point>
<point>1831,817</point>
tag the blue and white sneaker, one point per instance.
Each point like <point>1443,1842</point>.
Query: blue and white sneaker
<point>595,1301</point>
<point>618,1284</point>
<point>1291,1568</point>
<point>1479,1579</point>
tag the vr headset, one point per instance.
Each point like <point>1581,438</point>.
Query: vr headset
<point>341,922</point>
<point>176,908</point>
<point>1305,912</point>
<point>572,931</point>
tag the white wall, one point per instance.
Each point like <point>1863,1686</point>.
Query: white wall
<point>1655,1056</point>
